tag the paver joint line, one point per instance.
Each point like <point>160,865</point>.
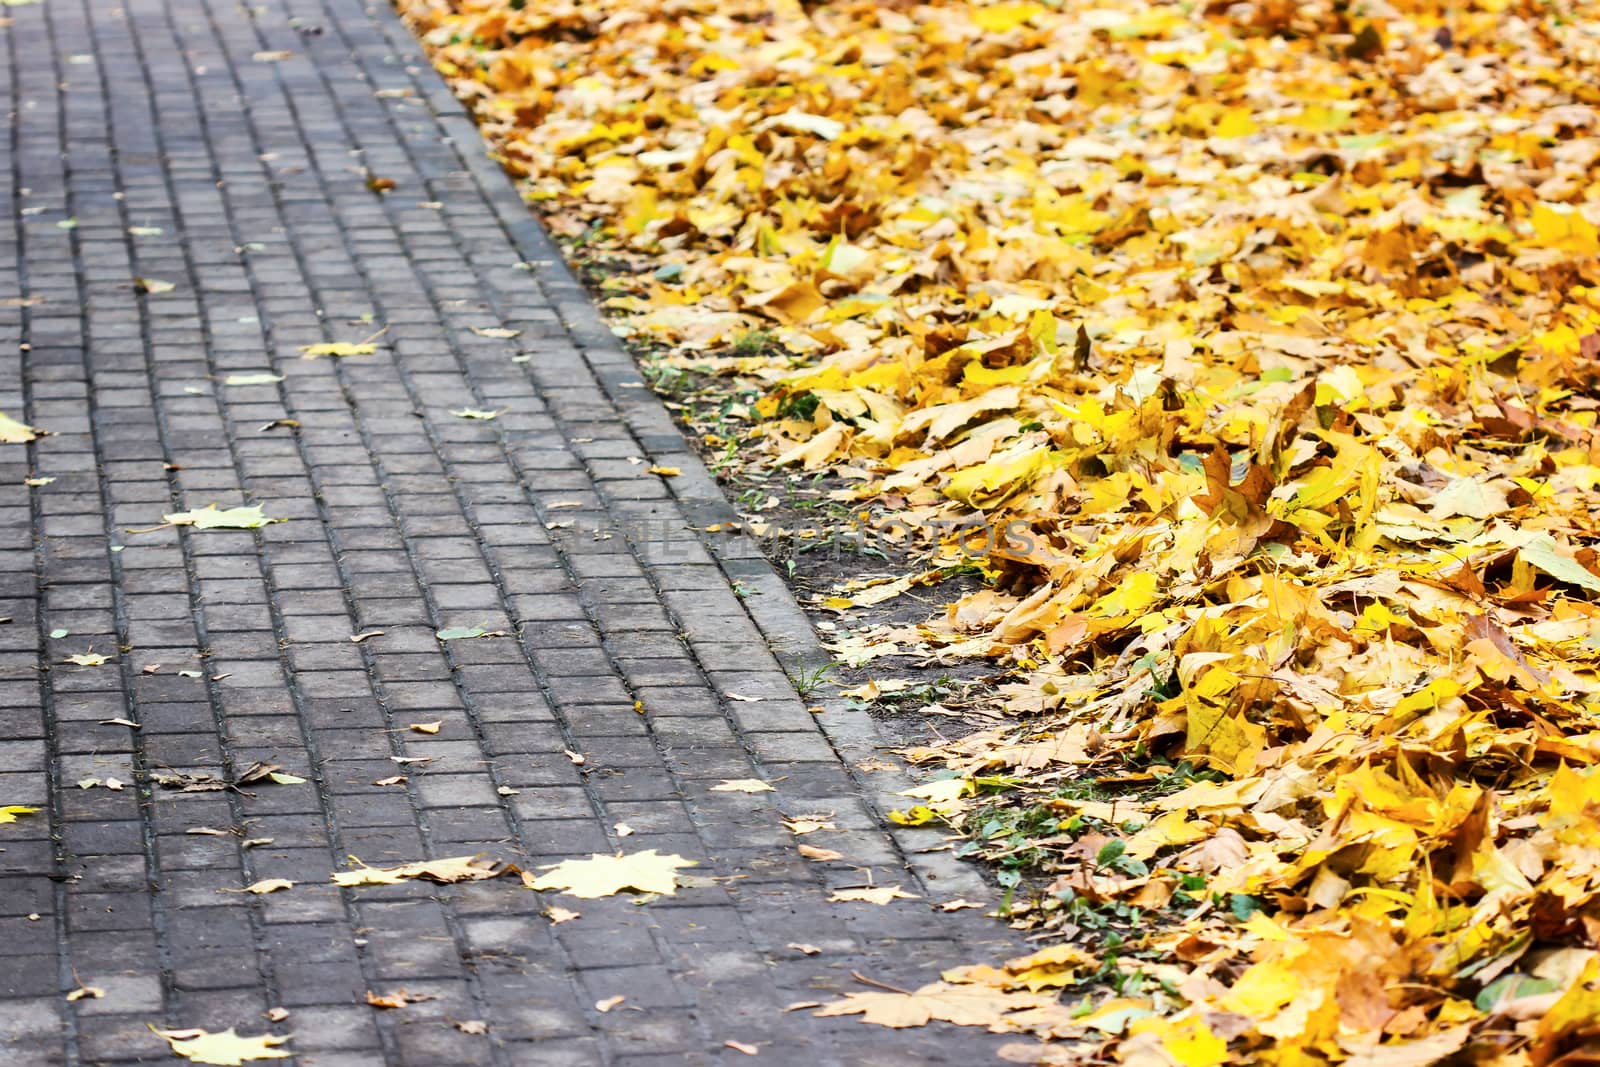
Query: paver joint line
<point>577,701</point>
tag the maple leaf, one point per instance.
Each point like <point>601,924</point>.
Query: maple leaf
<point>13,432</point>
<point>210,518</point>
<point>603,876</point>
<point>226,1049</point>
<point>882,894</point>
<point>963,1005</point>
<point>9,812</point>
<point>444,871</point>
<point>742,785</point>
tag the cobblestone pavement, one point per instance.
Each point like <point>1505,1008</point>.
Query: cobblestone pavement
<point>226,149</point>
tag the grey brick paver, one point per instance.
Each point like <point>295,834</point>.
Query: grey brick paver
<point>245,133</point>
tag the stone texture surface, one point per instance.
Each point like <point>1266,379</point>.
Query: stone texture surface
<point>225,149</point>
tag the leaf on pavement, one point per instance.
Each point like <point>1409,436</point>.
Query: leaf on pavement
<point>211,518</point>
<point>9,812</point>
<point>443,871</point>
<point>464,633</point>
<point>821,855</point>
<point>963,1005</point>
<point>742,785</point>
<point>226,1049</point>
<point>336,349</point>
<point>603,876</point>
<point>882,894</point>
<point>397,998</point>
<point>13,432</point>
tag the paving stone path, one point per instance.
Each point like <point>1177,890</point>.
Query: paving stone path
<point>225,149</point>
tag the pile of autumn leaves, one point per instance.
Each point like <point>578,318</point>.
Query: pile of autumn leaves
<point>1262,337</point>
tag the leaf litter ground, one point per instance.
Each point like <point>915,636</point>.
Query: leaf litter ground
<point>1258,341</point>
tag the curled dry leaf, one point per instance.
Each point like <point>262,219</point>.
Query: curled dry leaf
<point>267,772</point>
<point>427,727</point>
<point>397,998</point>
<point>821,855</point>
<point>960,904</point>
<point>608,1003</point>
<point>89,992</point>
